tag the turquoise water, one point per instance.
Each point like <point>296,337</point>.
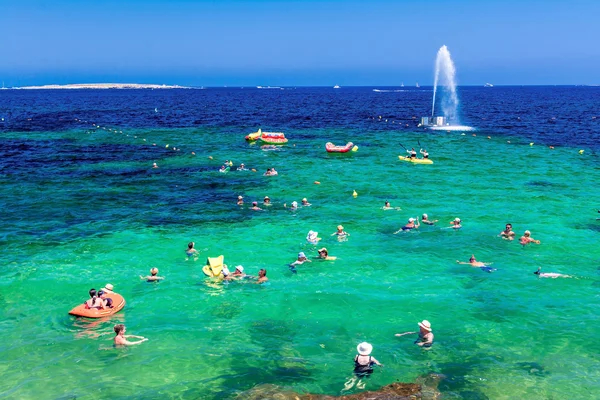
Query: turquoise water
<point>87,209</point>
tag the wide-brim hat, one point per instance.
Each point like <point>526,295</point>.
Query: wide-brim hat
<point>267,198</point>
<point>240,197</point>
<point>108,286</point>
<point>321,250</point>
<point>457,219</point>
<point>304,199</point>
<point>301,255</point>
<point>364,349</point>
<point>312,234</point>
<point>239,268</point>
<point>425,325</point>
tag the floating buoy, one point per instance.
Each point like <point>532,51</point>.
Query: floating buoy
<point>551,147</point>
<point>193,153</point>
<point>317,183</point>
<point>580,151</point>
<point>474,135</point>
<point>167,146</point>
<point>210,157</point>
<point>355,148</point>
<point>489,137</point>
<point>531,144</point>
<point>253,170</point>
<point>354,194</point>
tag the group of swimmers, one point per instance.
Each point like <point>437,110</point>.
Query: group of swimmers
<point>267,203</point>
<point>413,223</point>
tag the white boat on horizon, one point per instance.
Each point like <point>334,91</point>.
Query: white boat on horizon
<point>336,87</point>
<point>488,85</point>
<point>402,85</point>
<point>417,85</point>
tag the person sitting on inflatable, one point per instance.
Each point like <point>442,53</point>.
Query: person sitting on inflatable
<point>121,338</point>
<point>94,301</point>
<point>153,276</point>
<point>108,288</point>
<point>324,255</point>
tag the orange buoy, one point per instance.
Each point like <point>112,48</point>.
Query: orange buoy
<point>317,183</point>
<point>82,311</point>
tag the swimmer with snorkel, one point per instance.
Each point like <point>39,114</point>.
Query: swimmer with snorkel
<point>552,275</point>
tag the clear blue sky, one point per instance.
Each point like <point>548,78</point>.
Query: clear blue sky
<point>243,43</point>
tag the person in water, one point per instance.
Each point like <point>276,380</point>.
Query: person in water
<point>412,152</point>
<point>267,201</point>
<point>313,237</point>
<point>425,338</point>
<point>274,172</point>
<point>305,203</point>
<point>340,233</point>
<point>301,260</point>
<point>240,201</point>
<point>425,220</point>
<point>242,167</point>
<point>191,251</point>
<point>507,233</point>
<point>121,338</point>
<point>526,239</point>
<point>262,276</point>
<point>255,206</point>
<point>388,206</point>
<point>552,275</point>
<point>154,165</point>
<point>473,262</point>
<point>153,277</point>
<point>410,225</point>
<point>424,152</point>
<point>223,169</point>
<point>456,223</point>
<point>363,361</point>
<point>108,288</point>
<point>324,255</point>
<point>238,273</point>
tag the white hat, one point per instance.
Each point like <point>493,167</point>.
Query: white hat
<point>312,235</point>
<point>411,220</point>
<point>108,286</point>
<point>294,203</point>
<point>527,233</point>
<point>364,349</point>
<point>239,268</point>
<point>425,325</point>
<point>457,219</point>
<point>226,271</point>
<point>424,215</point>
<point>240,197</point>
<point>301,255</point>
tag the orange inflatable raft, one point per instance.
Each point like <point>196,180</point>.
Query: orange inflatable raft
<point>82,311</point>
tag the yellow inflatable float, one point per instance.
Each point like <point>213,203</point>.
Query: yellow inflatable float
<point>214,267</point>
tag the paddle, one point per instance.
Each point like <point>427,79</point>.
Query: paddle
<point>403,147</point>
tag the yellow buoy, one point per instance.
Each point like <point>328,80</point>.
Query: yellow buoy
<point>317,183</point>
<point>580,151</point>
<point>167,146</point>
<point>354,194</point>
<point>210,157</point>
<point>531,144</point>
<point>355,148</point>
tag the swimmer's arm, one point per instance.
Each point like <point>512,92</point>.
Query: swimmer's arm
<point>462,262</point>
<point>143,277</point>
<point>133,336</point>
<point>376,362</point>
<point>397,231</point>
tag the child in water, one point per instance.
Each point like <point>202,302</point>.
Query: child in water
<point>153,276</point>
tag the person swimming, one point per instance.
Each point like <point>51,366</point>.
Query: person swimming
<point>305,203</point>
<point>425,220</point>
<point>242,167</point>
<point>425,338</point>
<point>313,237</point>
<point>153,277</point>
<point>267,201</point>
<point>262,276</point>
<point>255,206</point>
<point>456,223</point>
<point>340,233</point>
<point>191,251</point>
<point>388,206</point>
<point>478,264</point>
<point>240,201</point>
<point>526,239</point>
<point>552,275</point>
<point>121,339</point>
<point>507,233</point>
<point>324,255</point>
<point>410,225</point>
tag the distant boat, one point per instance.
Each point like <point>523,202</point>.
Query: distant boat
<point>269,87</point>
<point>402,84</point>
<point>336,87</point>
<point>417,85</point>
<point>488,85</point>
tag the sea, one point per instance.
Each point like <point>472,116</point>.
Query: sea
<point>82,206</point>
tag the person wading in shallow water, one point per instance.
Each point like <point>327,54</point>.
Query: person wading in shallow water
<point>425,338</point>
<point>121,338</point>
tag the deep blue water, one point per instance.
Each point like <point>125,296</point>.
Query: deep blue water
<point>553,115</point>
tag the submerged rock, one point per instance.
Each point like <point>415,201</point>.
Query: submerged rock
<point>425,390</point>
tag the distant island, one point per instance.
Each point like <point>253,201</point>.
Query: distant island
<point>104,86</point>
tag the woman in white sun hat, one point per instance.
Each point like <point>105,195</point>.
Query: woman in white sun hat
<point>363,362</point>
<point>425,338</point>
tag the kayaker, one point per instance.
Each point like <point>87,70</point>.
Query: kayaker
<point>507,233</point>
<point>121,338</point>
<point>424,152</point>
<point>412,152</point>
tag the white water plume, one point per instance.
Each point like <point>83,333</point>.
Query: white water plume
<point>444,76</point>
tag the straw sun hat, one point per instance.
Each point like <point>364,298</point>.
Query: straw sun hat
<point>425,325</point>
<point>364,349</point>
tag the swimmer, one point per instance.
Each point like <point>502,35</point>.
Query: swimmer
<point>474,263</point>
<point>456,223</point>
<point>388,206</point>
<point>267,201</point>
<point>305,203</point>
<point>262,276</point>
<point>239,272</point>
<point>226,273</point>
<point>191,251</point>
<point>273,172</point>
<point>412,152</point>
<point>424,152</point>
<point>324,255</point>
<point>425,338</point>
<point>410,225</point>
<point>294,205</point>
<point>313,237</point>
<point>255,206</point>
<point>121,338</point>
<point>425,219</point>
<point>223,169</point>
<point>552,275</point>
<point>153,276</point>
<point>301,260</point>
<point>242,167</point>
<point>363,361</point>
<point>507,233</point>
<point>108,288</point>
<point>240,201</point>
<point>340,232</point>
<point>154,165</point>
<point>268,173</point>
<point>526,239</point>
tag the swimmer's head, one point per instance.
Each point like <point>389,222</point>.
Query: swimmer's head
<point>154,271</point>
<point>411,220</point>
<point>301,255</point>
<point>262,272</point>
<point>323,251</point>
<point>538,271</point>
<point>456,219</point>
<point>239,268</point>
<point>472,259</point>
<point>240,197</point>
<point>255,203</point>
<point>119,328</point>
<point>267,199</point>
<point>294,204</point>
<point>387,203</point>
<point>508,226</point>
<point>92,292</point>
<point>304,201</point>
<point>340,228</point>
<point>424,216</point>
<point>226,271</point>
<point>190,245</point>
<point>527,233</point>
